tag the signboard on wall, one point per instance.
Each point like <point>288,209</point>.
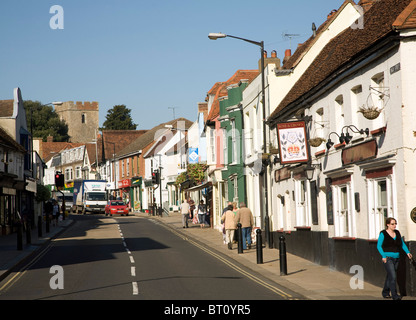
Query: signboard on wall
<point>293,145</point>
<point>359,152</point>
<point>193,155</point>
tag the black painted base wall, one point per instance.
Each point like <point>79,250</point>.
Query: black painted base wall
<point>342,254</point>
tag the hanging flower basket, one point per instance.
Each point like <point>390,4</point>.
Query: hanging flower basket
<point>316,142</point>
<point>274,150</point>
<point>370,113</point>
<point>265,156</point>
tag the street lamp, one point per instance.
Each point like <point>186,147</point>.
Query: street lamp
<point>113,168</point>
<point>215,36</point>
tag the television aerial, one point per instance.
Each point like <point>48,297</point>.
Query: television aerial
<point>290,36</point>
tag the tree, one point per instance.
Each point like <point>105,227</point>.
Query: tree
<point>119,118</point>
<point>43,194</point>
<point>44,122</point>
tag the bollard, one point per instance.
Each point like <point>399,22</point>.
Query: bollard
<point>40,226</point>
<point>28,232</point>
<point>240,238</point>
<point>259,247</point>
<point>19,236</point>
<point>283,261</point>
<point>47,222</point>
<point>267,231</point>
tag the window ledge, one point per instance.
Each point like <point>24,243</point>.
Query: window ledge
<point>303,228</point>
<point>345,238</point>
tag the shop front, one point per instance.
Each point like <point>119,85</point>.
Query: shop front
<point>8,211</point>
<point>124,187</point>
<point>136,193</point>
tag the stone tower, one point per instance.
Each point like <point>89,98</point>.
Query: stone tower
<point>82,120</point>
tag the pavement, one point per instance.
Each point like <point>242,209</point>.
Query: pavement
<point>310,280</point>
<point>11,257</point>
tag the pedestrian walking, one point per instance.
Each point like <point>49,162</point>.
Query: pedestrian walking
<point>202,210</point>
<point>222,224</point>
<point>235,208</point>
<point>245,217</point>
<point>185,211</point>
<point>55,213</point>
<point>389,244</point>
<point>48,209</point>
<point>230,224</point>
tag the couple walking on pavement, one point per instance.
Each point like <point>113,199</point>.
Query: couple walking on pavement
<point>231,217</point>
<point>186,212</point>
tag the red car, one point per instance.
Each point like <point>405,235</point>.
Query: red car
<point>116,207</point>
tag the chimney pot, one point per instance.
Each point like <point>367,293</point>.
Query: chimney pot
<point>274,54</point>
<point>288,53</point>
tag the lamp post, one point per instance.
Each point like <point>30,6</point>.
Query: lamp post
<point>215,36</point>
<point>113,169</point>
<point>32,166</point>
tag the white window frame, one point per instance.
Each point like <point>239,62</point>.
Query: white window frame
<point>233,142</point>
<point>212,145</point>
<point>235,185</point>
<point>302,199</point>
<point>69,174</point>
<point>78,172</point>
<point>378,212</point>
<point>224,146</point>
<point>343,212</point>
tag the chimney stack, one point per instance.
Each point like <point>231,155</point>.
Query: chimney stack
<point>273,59</point>
<point>366,4</point>
<point>288,54</point>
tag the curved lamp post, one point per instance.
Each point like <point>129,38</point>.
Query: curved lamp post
<point>215,36</point>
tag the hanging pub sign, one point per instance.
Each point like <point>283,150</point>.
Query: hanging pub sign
<point>292,142</point>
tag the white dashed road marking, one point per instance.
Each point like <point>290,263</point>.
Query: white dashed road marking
<point>132,268</point>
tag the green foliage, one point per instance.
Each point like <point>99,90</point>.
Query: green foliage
<point>42,193</point>
<point>44,121</point>
<point>119,118</point>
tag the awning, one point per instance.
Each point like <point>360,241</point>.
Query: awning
<point>201,186</point>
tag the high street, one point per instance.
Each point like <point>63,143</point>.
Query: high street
<point>134,258</point>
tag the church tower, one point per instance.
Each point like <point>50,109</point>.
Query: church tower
<point>82,120</point>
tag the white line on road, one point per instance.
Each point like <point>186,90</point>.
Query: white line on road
<point>132,269</point>
<point>135,288</point>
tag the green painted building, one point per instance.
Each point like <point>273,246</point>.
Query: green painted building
<point>231,120</point>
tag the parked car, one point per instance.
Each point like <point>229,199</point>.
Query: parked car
<point>116,207</point>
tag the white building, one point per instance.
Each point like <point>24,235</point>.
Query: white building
<point>335,217</point>
<point>278,82</point>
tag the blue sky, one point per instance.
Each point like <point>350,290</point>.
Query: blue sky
<point>148,55</point>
